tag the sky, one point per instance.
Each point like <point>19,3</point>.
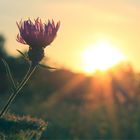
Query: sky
<point>83,22</point>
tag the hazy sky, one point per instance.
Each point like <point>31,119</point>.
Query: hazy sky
<point>82,23</point>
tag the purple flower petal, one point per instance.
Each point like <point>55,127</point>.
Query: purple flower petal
<point>37,34</point>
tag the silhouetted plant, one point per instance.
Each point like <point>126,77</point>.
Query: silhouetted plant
<point>37,35</point>
<point>26,127</point>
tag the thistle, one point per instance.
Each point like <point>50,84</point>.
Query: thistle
<point>37,35</point>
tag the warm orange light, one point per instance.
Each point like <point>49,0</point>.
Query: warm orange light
<point>101,56</point>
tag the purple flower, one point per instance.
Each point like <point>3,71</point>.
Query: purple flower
<point>37,35</point>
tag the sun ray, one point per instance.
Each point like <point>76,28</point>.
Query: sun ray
<point>66,89</point>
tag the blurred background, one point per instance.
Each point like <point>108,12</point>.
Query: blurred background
<point>95,90</point>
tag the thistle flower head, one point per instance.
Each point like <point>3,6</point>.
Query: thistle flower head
<point>37,35</point>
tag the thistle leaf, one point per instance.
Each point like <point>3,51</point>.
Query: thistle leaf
<point>46,67</point>
<point>24,56</point>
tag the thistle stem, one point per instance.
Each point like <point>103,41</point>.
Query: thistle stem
<point>18,89</point>
<point>9,74</point>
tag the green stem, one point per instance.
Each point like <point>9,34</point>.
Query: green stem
<point>16,92</point>
<point>9,74</point>
<point>27,73</point>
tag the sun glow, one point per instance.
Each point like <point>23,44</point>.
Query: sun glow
<point>101,56</point>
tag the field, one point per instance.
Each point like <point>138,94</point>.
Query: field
<point>73,105</point>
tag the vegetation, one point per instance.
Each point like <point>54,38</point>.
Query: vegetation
<point>76,106</point>
<point>15,128</point>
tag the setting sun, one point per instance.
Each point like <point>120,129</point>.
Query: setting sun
<point>101,56</point>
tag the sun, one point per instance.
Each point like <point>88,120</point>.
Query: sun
<point>101,56</point>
